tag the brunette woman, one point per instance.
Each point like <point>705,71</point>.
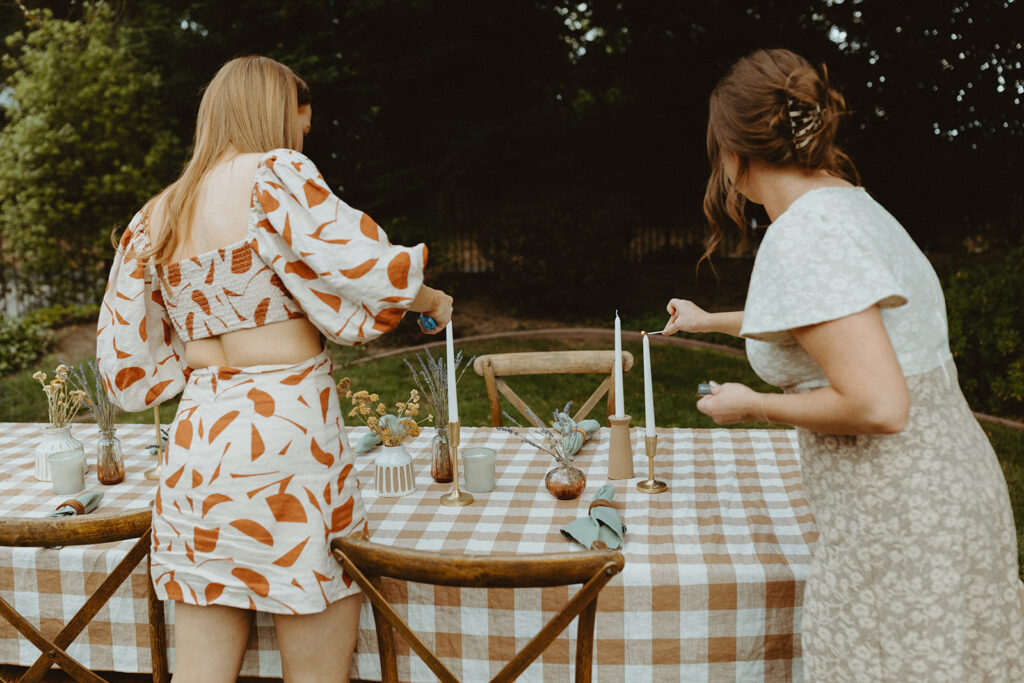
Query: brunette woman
<point>225,285</point>
<point>914,575</point>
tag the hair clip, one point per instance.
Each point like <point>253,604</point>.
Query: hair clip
<point>803,121</point>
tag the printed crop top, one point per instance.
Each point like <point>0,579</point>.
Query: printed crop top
<point>306,254</point>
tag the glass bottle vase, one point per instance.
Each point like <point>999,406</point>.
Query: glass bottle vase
<point>109,458</point>
<point>440,458</point>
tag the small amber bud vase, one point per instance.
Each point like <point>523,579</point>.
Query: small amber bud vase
<point>109,458</point>
<point>440,458</point>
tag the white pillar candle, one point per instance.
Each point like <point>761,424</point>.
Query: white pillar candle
<point>648,388</point>
<point>67,471</point>
<point>453,399</point>
<point>617,368</point>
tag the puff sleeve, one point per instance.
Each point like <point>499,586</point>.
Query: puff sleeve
<point>815,266</point>
<point>138,353</point>
<point>337,263</point>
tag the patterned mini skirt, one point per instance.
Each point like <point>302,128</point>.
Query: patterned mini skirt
<point>257,479</point>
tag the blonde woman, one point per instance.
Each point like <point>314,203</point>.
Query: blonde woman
<point>914,576</point>
<point>225,285</point>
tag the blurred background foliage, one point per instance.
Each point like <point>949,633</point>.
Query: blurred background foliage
<point>567,132</point>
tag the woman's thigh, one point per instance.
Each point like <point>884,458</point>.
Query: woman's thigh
<point>209,642</point>
<point>318,647</point>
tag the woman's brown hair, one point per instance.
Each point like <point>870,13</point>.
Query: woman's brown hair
<point>251,104</point>
<point>773,106</point>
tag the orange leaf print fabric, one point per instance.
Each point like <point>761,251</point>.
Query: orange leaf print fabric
<point>258,482</point>
<point>140,363</point>
<point>338,264</point>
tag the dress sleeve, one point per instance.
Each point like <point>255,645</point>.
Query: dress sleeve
<point>351,282</point>
<point>139,355</point>
<point>815,269</point>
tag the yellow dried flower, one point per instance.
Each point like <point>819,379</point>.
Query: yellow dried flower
<point>371,422</point>
<point>345,387</point>
<point>374,397</point>
<point>39,376</point>
<point>353,412</point>
<point>364,409</point>
<point>381,409</point>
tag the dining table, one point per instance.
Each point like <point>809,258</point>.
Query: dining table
<point>711,589</point>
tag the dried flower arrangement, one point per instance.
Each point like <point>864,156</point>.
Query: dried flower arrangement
<point>391,428</point>
<point>432,380</point>
<point>561,441</point>
<point>86,378</point>
<point>62,401</point>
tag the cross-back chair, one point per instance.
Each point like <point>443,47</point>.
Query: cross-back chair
<point>493,367</point>
<point>367,563</point>
<point>83,530</point>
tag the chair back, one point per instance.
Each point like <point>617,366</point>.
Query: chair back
<point>368,563</point>
<point>100,527</point>
<point>493,367</point>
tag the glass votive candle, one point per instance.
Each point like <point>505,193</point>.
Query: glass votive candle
<point>478,463</point>
<point>67,471</point>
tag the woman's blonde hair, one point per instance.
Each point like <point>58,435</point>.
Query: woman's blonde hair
<point>775,107</point>
<point>252,104</point>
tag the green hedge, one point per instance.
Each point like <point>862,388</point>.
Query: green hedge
<point>986,317</point>
<point>21,343</point>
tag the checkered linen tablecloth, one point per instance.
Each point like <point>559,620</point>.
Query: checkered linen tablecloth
<point>712,587</point>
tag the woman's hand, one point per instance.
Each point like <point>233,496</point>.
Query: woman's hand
<point>686,316</point>
<point>441,312</point>
<point>731,403</point>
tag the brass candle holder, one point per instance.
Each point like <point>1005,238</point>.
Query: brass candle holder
<point>455,497</point>
<point>153,473</point>
<point>651,485</point>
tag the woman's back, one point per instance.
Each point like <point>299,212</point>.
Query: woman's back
<point>221,220</point>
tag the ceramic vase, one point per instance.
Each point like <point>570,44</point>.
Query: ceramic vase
<point>109,458</point>
<point>55,440</point>
<point>566,482</point>
<point>393,472</point>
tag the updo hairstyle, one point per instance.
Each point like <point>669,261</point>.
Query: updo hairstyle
<point>775,107</point>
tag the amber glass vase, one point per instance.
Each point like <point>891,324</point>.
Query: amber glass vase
<point>109,458</point>
<point>566,482</point>
<point>440,458</point>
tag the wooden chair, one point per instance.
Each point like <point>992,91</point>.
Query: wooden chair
<point>493,367</point>
<point>368,562</point>
<point>82,530</point>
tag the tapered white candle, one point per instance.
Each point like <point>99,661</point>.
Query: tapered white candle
<point>453,398</point>
<point>617,368</point>
<point>648,388</point>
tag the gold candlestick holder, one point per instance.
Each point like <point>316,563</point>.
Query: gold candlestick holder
<point>153,473</point>
<point>620,448</point>
<point>455,497</point>
<point>651,485</point>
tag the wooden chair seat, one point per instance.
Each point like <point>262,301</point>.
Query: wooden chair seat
<point>101,527</point>
<point>368,563</point>
<point>493,367</point>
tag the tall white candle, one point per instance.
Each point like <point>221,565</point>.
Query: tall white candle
<point>453,398</point>
<point>617,368</point>
<point>648,388</point>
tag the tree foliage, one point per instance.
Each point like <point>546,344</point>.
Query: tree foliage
<point>83,145</point>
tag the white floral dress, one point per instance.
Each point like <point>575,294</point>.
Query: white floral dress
<point>915,574</point>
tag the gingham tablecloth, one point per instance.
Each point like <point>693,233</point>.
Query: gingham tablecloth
<point>711,589</point>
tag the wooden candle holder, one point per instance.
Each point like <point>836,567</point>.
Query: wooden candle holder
<point>620,448</point>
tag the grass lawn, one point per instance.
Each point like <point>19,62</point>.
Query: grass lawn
<point>676,372</point>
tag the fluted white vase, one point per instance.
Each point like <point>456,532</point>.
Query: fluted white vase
<point>392,472</point>
<point>55,440</point>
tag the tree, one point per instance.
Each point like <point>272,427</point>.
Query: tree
<point>83,147</point>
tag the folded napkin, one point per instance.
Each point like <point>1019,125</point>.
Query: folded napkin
<point>574,434</point>
<point>602,524</point>
<point>80,505</point>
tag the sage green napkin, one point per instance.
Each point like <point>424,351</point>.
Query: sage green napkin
<point>602,522</point>
<point>574,434</point>
<point>79,505</point>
